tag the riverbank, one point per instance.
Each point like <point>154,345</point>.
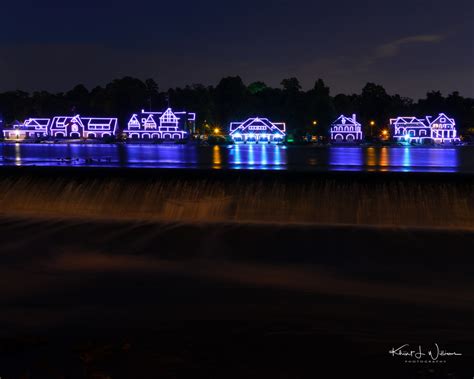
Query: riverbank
<point>222,141</point>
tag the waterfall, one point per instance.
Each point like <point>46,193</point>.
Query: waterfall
<point>395,202</point>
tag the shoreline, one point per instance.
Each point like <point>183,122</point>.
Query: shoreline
<point>207,144</point>
<point>292,173</point>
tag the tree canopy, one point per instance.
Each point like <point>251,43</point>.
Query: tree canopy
<point>232,100</point>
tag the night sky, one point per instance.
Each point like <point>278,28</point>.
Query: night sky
<point>408,46</point>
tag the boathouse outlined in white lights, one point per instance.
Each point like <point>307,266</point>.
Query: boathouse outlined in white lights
<point>346,130</point>
<point>82,127</point>
<point>412,129</point>
<point>257,130</point>
<point>30,129</point>
<point>167,125</point>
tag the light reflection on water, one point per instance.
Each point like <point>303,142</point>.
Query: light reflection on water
<point>216,157</point>
<point>404,159</point>
<point>260,157</point>
<point>17,155</point>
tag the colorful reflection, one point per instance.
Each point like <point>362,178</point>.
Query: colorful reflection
<point>425,159</point>
<point>406,164</point>
<point>162,156</point>
<point>262,157</point>
<point>371,158</point>
<point>346,158</point>
<point>404,159</point>
<point>384,159</point>
<point>216,157</point>
<point>17,154</point>
<point>252,157</point>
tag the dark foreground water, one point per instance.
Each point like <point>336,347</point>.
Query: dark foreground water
<point>187,273</point>
<point>96,300</point>
<point>263,157</point>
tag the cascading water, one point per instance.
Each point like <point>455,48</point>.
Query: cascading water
<point>317,201</point>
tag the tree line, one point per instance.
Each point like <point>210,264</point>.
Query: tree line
<point>304,112</point>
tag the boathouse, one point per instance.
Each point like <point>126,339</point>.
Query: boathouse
<point>82,127</point>
<point>412,129</point>
<point>32,128</point>
<point>167,125</point>
<point>346,130</point>
<point>257,130</point>
<point>443,129</point>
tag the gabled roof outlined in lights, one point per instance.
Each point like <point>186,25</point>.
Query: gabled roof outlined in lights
<point>412,129</point>
<point>83,127</point>
<point>159,125</point>
<point>257,129</point>
<point>346,129</point>
<point>31,128</point>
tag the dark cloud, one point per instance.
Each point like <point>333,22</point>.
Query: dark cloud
<point>404,45</point>
<point>394,47</point>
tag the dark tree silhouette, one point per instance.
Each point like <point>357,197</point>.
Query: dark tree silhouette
<point>374,108</point>
<point>78,100</point>
<point>291,85</point>
<point>257,87</point>
<point>321,109</point>
<point>152,92</point>
<point>304,112</point>
<point>230,97</point>
<point>125,94</point>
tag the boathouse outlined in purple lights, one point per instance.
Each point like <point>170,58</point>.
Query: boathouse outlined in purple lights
<point>167,125</point>
<point>257,130</point>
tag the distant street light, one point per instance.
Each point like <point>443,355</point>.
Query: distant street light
<point>315,122</point>
<point>216,131</point>
<point>372,124</point>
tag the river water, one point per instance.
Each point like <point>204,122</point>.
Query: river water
<point>180,276</point>
<point>261,157</point>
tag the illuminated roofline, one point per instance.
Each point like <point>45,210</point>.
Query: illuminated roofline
<point>428,119</point>
<point>110,125</point>
<point>352,120</point>
<point>192,114</point>
<point>237,126</point>
<point>167,123</point>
